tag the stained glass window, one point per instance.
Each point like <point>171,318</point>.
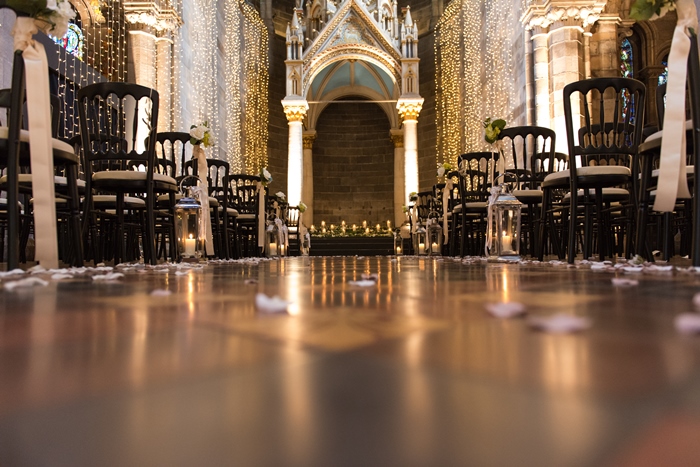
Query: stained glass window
<point>72,41</point>
<point>627,70</point>
<point>663,77</point>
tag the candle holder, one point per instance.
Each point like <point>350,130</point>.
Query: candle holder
<point>420,241</point>
<point>398,243</point>
<point>503,232</point>
<point>188,218</point>
<point>434,234</point>
<point>274,245</point>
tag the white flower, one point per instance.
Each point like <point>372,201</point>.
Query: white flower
<point>65,10</point>
<point>51,5</point>
<point>266,174</point>
<point>60,27</point>
<point>280,195</point>
<point>441,171</point>
<point>198,132</point>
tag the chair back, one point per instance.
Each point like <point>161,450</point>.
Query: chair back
<point>243,192</point>
<point>475,170</point>
<point>217,177</point>
<point>118,126</point>
<point>424,204</point>
<point>175,147</point>
<point>532,148</point>
<point>613,117</point>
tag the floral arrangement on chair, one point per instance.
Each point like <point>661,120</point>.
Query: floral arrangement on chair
<point>54,14</point>
<point>281,196</point>
<point>265,176</point>
<point>651,9</point>
<point>492,128</point>
<point>302,207</point>
<point>201,135</point>
<point>444,169</point>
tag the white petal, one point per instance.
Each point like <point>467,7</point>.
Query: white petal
<point>11,273</point>
<point>560,323</point>
<point>506,309</point>
<point>161,293</point>
<point>250,281</point>
<point>274,304</point>
<point>108,277</point>
<point>370,277</point>
<point>364,283</point>
<point>622,282</point>
<point>28,282</point>
<point>59,276</point>
<point>688,323</point>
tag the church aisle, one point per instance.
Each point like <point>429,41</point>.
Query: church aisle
<point>410,371</point>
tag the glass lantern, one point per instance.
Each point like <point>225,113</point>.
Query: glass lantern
<point>188,215</point>
<point>420,241</point>
<point>305,242</point>
<point>274,247</point>
<point>504,227</point>
<point>435,235</point>
<point>398,243</point>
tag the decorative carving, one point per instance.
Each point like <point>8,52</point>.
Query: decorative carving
<point>309,141</point>
<point>544,15</point>
<point>397,139</point>
<point>161,17</point>
<point>409,108</point>
<point>353,33</point>
<point>295,110</point>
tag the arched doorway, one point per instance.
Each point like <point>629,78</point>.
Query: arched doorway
<point>353,164</point>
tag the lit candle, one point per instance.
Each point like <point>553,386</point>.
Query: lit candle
<point>313,228</point>
<point>421,248</point>
<point>388,225</point>
<point>281,249</point>
<point>379,227</point>
<point>354,227</point>
<point>364,224</point>
<point>434,248</point>
<point>507,243</point>
<point>323,223</point>
<point>367,230</point>
<point>273,249</point>
<point>398,250</point>
<point>323,230</point>
<point>343,229</point>
<point>190,245</point>
<point>342,223</point>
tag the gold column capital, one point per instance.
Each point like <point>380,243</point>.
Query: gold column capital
<point>409,108</point>
<point>295,109</point>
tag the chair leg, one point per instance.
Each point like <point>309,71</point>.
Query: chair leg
<point>573,210</point>
<point>75,224</point>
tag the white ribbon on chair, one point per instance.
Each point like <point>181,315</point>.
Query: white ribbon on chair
<point>203,190</point>
<point>673,181</point>
<point>495,192</point>
<point>446,192</point>
<point>40,141</point>
<point>284,232</point>
<point>261,215</point>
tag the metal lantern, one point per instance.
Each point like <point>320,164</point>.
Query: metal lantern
<point>503,234</point>
<point>304,241</point>
<point>188,216</point>
<point>421,247</point>
<point>435,235</point>
<point>274,247</point>
<point>398,243</point>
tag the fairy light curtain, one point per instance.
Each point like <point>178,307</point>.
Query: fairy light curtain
<point>237,111</point>
<point>475,72</point>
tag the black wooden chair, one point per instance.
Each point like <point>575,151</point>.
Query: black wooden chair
<point>243,192</point>
<point>118,128</point>
<point>606,146</point>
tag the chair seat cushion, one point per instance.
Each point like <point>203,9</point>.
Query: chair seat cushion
<point>26,179</point>
<point>608,194</point>
<point>131,176</point>
<point>528,195</point>
<point>246,216</point>
<point>659,134</point>
<point>107,201</point>
<point>24,137</point>
<point>689,170</point>
<point>588,171</point>
<point>472,206</point>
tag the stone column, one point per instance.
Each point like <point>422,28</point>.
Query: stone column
<point>566,50</point>
<point>142,57</point>
<point>605,51</point>
<point>307,186</point>
<point>540,51</point>
<point>399,178</point>
<point>295,109</point>
<point>164,50</point>
<point>409,108</point>
<point>650,77</point>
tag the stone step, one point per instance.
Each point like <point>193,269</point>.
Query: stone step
<point>352,246</point>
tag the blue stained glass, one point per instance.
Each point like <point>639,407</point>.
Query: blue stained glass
<point>663,77</point>
<point>73,41</point>
<point>627,71</point>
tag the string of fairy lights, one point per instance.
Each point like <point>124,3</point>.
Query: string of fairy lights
<point>239,120</point>
<point>256,79</point>
<point>475,73</point>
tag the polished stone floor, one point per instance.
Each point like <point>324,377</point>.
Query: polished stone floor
<point>410,372</point>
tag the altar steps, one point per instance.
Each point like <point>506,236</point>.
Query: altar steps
<point>352,246</point>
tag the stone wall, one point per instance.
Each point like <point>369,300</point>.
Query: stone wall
<point>278,139</point>
<point>427,129</point>
<point>353,160</point>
